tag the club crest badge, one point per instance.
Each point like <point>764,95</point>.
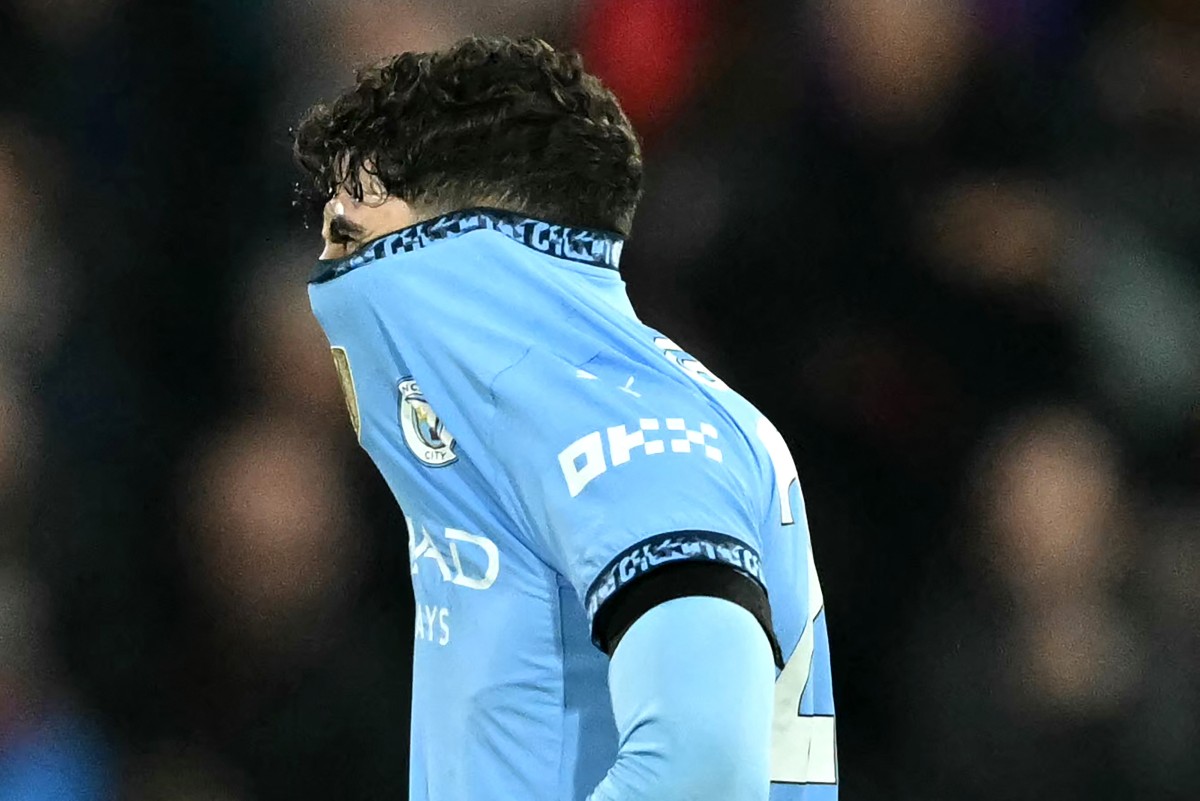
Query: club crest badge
<point>424,432</point>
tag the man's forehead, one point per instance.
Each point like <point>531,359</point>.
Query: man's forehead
<point>365,174</point>
<point>343,199</point>
<point>344,202</point>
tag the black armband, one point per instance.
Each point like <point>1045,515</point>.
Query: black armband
<point>680,580</point>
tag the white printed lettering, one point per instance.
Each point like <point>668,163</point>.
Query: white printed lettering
<point>591,449</point>
<point>427,618</point>
<point>623,444</point>
<point>426,549</point>
<point>782,465</point>
<point>691,366</point>
<point>476,568</point>
<point>419,628</point>
<point>491,554</point>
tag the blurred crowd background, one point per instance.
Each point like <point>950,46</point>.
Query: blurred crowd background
<point>951,247</point>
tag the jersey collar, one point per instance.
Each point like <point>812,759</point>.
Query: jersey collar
<point>583,245</point>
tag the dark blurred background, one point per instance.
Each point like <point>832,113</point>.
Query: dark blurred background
<point>951,247</point>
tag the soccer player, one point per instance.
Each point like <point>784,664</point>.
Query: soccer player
<point>615,590</point>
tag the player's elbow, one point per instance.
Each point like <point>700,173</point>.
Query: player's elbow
<point>713,761</point>
<point>695,757</point>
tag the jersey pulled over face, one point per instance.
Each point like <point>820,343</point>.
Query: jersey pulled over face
<point>548,449</point>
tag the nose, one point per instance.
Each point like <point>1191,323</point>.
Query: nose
<point>332,251</point>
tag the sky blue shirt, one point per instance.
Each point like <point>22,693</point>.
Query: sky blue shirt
<point>548,448</point>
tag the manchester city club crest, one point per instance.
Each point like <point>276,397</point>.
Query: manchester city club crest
<point>424,432</point>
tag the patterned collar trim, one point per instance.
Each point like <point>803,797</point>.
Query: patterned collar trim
<point>583,245</point>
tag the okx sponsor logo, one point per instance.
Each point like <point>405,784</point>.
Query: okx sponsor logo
<point>594,454</point>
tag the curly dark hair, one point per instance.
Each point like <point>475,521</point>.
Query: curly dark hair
<point>510,123</point>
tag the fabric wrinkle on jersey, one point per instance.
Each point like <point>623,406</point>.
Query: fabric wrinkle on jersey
<point>548,449</point>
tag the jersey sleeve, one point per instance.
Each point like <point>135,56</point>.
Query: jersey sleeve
<point>623,470</point>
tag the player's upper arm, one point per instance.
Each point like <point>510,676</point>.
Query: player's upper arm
<point>692,687</point>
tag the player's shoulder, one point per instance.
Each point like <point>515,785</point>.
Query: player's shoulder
<point>628,398</point>
<point>616,364</point>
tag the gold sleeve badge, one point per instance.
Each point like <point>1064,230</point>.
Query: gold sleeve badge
<point>341,361</point>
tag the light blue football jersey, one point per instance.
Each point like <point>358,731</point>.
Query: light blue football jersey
<point>548,448</point>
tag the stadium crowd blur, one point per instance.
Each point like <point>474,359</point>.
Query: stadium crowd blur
<point>952,248</point>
